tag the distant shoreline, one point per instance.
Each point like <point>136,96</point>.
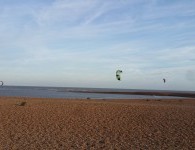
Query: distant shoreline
<point>178,94</point>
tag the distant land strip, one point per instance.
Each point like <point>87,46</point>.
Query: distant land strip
<point>177,94</point>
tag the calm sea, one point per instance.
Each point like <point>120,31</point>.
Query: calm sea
<point>70,92</point>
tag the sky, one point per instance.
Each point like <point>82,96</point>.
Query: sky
<point>81,43</point>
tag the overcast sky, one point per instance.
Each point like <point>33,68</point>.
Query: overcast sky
<point>81,43</point>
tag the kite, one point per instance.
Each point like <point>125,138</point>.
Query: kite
<point>118,74</point>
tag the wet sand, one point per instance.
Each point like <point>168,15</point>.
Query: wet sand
<point>96,124</point>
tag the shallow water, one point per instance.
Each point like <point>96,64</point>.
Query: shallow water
<point>70,92</point>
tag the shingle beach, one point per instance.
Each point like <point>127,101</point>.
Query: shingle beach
<point>96,124</point>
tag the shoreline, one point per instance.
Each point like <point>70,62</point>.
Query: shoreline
<point>163,93</point>
<point>49,123</point>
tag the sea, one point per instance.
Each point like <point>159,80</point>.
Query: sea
<point>73,93</point>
